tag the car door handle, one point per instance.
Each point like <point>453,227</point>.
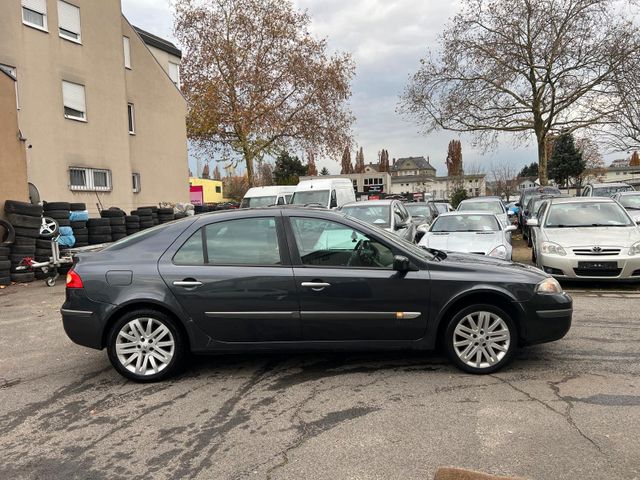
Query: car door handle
<point>187,283</point>
<point>316,286</point>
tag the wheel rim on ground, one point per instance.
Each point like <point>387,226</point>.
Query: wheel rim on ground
<point>481,339</point>
<point>145,346</point>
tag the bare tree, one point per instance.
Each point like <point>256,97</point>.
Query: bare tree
<point>594,164</point>
<point>257,81</point>
<point>524,67</point>
<point>312,170</point>
<point>503,175</point>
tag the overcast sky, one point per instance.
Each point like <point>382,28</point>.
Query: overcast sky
<point>387,38</point>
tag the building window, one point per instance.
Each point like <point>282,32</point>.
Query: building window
<point>135,178</point>
<point>127,52</point>
<point>132,119</point>
<point>68,21</point>
<point>89,179</point>
<point>174,73</point>
<point>218,189</point>
<point>34,13</point>
<point>14,73</point>
<point>74,101</point>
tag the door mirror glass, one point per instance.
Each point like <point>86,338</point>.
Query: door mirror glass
<point>532,222</point>
<point>510,228</point>
<point>401,263</point>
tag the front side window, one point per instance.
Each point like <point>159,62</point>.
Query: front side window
<point>325,243</point>
<point>245,241</point>
<point>34,13</point>
<point>69,21</point>
<point>73,97</point>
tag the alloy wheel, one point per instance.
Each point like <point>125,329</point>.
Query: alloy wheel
<point>481,339</point>
<point>145,346</point>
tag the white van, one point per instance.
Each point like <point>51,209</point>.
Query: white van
<point>265,196</point>
<point>326,192</point>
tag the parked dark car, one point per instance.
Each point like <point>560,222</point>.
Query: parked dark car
<point>292,278</point>
<point>526,195</point>
<point>530,211</point>
<point>422,215</point>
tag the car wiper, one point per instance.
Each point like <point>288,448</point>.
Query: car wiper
<point>439,254</point>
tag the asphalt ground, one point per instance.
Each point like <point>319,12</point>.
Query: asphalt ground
<point>564,410</point>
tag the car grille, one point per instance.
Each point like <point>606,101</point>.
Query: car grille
<point>588,252</point>
<point>590,272</point>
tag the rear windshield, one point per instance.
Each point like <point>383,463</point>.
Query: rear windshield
<point>488,206</point>
<point>465,223</point>
<point>255,202</point>
<point>378,215</point>
<point>417,210</point>
<point>310,197</point>
<point>608,191</point>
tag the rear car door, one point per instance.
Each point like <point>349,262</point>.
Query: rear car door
<point>347,287</point>
<point>233,277</point>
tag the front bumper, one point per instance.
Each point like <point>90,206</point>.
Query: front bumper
<point>84,320</point>
<point>627,268</point>
<point>548,318</point>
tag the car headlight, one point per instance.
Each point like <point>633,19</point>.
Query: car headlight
<point>424,228</point>
<point>499,252</point>
<point>635,249</point>
<point>551,248</point>
<point>548,286</point>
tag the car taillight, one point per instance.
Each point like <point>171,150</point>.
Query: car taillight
<point>74,280</point>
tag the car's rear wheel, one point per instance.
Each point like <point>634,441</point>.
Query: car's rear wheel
<point>481,339</point>
<point>146,346</point>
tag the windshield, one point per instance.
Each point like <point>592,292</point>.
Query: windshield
<point>630,201</point>
<point>311,196</point>
<point>378,215</point>
<point>254,202</point>
<point>417,210</point>
<point>608,191</point>
<point>592,214</point>
<point>441,207</point>
<point>465,223</point>
<point>488,206</point>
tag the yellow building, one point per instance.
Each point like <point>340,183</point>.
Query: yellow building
<point>211,191</point>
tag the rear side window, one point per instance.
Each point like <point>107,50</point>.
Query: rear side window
<point>245,241</point>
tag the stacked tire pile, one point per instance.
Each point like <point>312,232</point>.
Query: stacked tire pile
<point>26,219</point>
<point>154,214</point>
<point>132,224</point>
<point>5,265</point>
<point>117,222</point>
<point>59,211</point>
<point>146,217</point>
<point>80,230</point>
<point>99,230</point>
<point>166,215</point>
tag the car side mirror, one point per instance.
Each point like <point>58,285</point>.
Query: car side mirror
<point>526,212</point>
<point>532,222</point>
<point>401,263</point>
<point>518,205</point>
<point>510,228</point>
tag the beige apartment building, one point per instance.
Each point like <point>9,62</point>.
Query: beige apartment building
<point>98,103</point>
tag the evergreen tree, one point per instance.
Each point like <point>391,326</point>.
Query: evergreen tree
<point>288,169</point>
<point>566,161</point>
<point>216,173</point>
<point>457,196</point>
<point>324,171</point>
<point>359,167</point>
<point>347,167</point>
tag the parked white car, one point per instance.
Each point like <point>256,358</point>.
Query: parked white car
<point>266,196</point>
<point>486,204</point>
<point>631,203</point>
<point>586,238</point>
<point>470,232</point>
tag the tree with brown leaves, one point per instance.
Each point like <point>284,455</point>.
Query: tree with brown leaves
<point>205,171</point>
<point>595,169</point>
<point>311,165</point>
<point>527,68</point>
<point>359,166</point>
<point>347,167</point>
<point>454,158</point>
<point>257,80</point>
<point>383,164</point>
<point>634,161</point>
<point>216,173</point>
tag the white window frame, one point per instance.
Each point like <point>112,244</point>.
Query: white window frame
<point>176,80</point>
<point>135,178</point>
<point>131,118</point>
<point>66,103</point>
<point>62,32</point>
<point>14,73</point>
<point>89,176</point>
<point>35,6</point>
<point>126,46</point>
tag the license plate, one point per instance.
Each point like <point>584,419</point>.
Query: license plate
<point>598,265</point>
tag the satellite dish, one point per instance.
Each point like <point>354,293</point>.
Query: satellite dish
<point>34,194</point>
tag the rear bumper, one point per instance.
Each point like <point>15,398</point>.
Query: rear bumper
<point>84,319</point>
<point>548,318</point>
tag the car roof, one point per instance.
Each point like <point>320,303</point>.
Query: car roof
<point>369,203</point>
<point>628,193</point>
<point>612,184</point>
<point>466,212</point>
<point>482,199</point>
<point>556,200</point>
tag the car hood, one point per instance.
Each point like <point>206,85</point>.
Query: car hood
<point>479,264</point>
<point>593,236</point>
<point>478,242</point>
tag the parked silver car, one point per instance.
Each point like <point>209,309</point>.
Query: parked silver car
<point>631,203</point>
<point>605,189</point>
<point>586,238</point>
<point>388,214</point>
<point>470,232</point>
<point>486,204</point>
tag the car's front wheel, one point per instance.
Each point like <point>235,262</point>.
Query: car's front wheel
<point>146,346</point>
<point>481,339</point>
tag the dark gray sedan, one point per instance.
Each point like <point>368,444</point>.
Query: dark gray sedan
<point>290,278</point>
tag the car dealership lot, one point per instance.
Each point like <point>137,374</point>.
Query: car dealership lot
<point>567,409</point>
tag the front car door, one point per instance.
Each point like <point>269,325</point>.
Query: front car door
<point>347,287</point>
<point>233,277</point>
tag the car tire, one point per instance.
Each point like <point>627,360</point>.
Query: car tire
<point>9,232</point>
<point>22,277</point>
<point>98,222</point>
<point>22,208</point>
<point>27,232</point>
<point>19,240</point>
<point>121,349</point>
<point>502,341</point>
<point>50,206</point>
<point>25,221</point>
<point>78,207</point>
<point>97,239</point>
<point>529,242</point>
<point>534,257</point>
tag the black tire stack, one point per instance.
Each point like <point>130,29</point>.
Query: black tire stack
<point>117,222</point>
<point>99,230</point>
<point>80,230</point>
<point>154,214</point>
<point>166,215</point>
<point>59,211</point>
<point>132,222</point>
<point>5,265</point>
<point>146,217</point>
<point>26,219</point>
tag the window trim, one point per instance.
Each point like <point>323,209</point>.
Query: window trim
<point>90,180</point>
<point>131,118</point>
<point>61,31</point>
<point>45,22</point>
<point>126,50</point>
<point>136,184</point>
<point>75,117</point>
